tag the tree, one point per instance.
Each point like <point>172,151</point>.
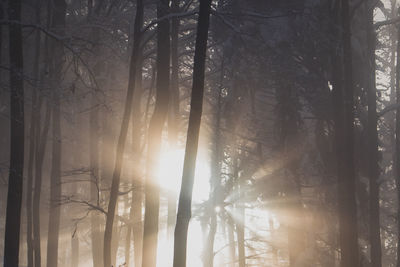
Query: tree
<point>156,125</point>
<point>122,136</point>
<point>373,164</point>
<point>348,237</point>
<point>196,107</point>
<point>397,141</point>
<point>14,197</point>
<point>56,51</point>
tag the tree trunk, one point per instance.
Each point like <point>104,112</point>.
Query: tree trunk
<point>128,233</point>
<point>41,138</point>
<point>95,218</point>
<point>135,216</point>
<point>173,120</point>
<point>373,161</point>
<point>196,107</point>
<point>95,227</point>
<point>74,249</point>
<point>397,163</point>
<point>156,125</point>
<point>115,239</point>
<point>32,143</point>
<point>215,192</point>
<point>348,239</point>
<point>122,136</point>
<point>241,220</point>
<point>57,59</point>
<point>14,197</point>
<point>231,240</point>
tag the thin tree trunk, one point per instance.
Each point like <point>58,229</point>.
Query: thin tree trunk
<point>397,162</point>
<point>14,197</point>
<point>215,192</point>
<point>231,240</point>
<point>241,220</point>
<point>95,184</point>
<point>348,239</point>
<point>156,125</point>
<point>29,188</point>
<point>41,138</point>
<point>137,226</point>
<point>95,218</point>
<point>173,120</point>
<point>122,136</point>
<point>135,216</point>
<point>196,108</point>
<point>32,143</point>
<point>373,161</point>
<point>128,233</point>
<point>115,239</point>
<point>57,24</point>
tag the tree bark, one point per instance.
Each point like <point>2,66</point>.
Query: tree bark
<point>14,197</point>
<point>215,192</point>
<point>95,226</point>
<point>397,141</point>
<point>152,191</point>
<point>32,143</point>
<point>348,236</point>
<point>196,107</point>
<point>74,249</point>
<point>122,136</point>
<point>57,59</point>
<point>373,161</point>
<point>241,220</point>
<point>173,119</point>
<point>135,216</point>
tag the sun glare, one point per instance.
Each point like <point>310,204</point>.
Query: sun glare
<point>170,173</point>
<point>169,176</point>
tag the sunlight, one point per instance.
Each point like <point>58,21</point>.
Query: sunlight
<point>170,173</point>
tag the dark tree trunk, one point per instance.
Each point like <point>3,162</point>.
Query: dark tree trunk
<point>122,136</point>
<point>156,125</point>
<point>128,233</point>
<point>196,107</point>
<point>215,192</point>
<point>41,137</point>
<point>57,58</point>
<point>95,184</point>
<point>14,197</point>
<point>348,239</point>
<point>135,216</point>
<point>373,161</point>
<point>32,143</point>
<point>115,240</point>
<point>289,122</point>
<point>95,218</point>
<point>173,120</point>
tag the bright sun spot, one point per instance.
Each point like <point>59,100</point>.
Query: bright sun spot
<point>170,173</point>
